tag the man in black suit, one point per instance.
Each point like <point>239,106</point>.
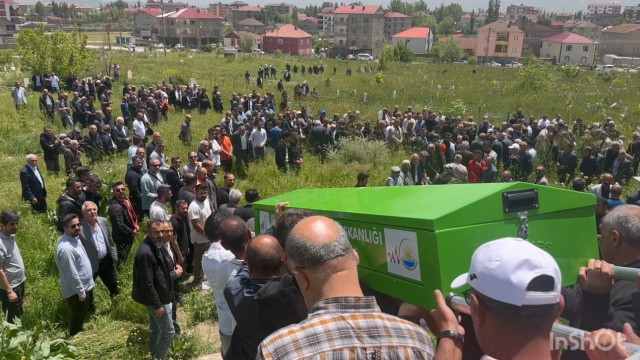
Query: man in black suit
<point>282,152</point>
<point>622,168</point>
<point>98,244</point>
<point>51,147</point>
<point>133,179</point>
<point>246,212</point>
<point>567,163</point>
<point>240,144</point>
<point>174,178</point>
<point>33,189</point>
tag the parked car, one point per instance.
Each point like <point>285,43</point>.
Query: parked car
<point>257,51</point>
<point>604,68</point>
<point>159,46</point>
<point>366,57</point>
<point>493,64</point>
<point>351,57</point>
<point>179,47</point>
<point>630,70</point>
<point>460,62</point>
<point>514,64</point>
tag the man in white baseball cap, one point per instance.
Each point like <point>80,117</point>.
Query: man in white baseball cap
<point>514,298</point>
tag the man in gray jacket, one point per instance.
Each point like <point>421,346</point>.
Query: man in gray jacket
<point>98,244</point>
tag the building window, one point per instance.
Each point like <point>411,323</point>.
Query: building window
<point>515,38</point>
<point>568,48</point>
<point>514,50</point>
<point>501,48</point>
<point>503,37</point>
<point>280,42</point>
<point>301,41</point>
<point>585,48</point>
<point>341,42</point>
<point>583,60</point>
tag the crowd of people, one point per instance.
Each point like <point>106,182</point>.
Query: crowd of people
<point>291,292</point>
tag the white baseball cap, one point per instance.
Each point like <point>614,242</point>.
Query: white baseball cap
<point>502,269</point>
<point>514,146</point>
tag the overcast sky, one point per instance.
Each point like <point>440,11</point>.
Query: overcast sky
<point>467,5</point>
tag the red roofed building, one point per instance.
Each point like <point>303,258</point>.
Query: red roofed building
<point>309,24</point>
<point>288,39</point>
<point>234,39</point>
<point>358,29</point>
<point>395,22</point>
<point>418,39</point>
<point>146,23</point>
<point>621,40</point>
<point>245,12</point>
<point>465,21</point>
<point>569,48</point>
<point>192,27</point>
<point>251,25</point>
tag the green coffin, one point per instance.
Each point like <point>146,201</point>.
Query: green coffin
<point>414,239</point>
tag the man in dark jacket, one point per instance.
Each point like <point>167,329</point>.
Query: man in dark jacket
<point>598,301</point>
<point>282,152</point>
<point>174,178</point>
<point>132,179</point>
<point>69,202</point>
<point>33,188</point>
<point>51,148</point>
<point>124,221</point>
<point>241,147</point>
<point>589,165</point>
<point>153,278</point>
<point>47,105</point>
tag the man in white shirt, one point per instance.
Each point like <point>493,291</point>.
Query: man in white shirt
<point>55,82</point>
<point>19,96</point>
<point>199,211</point>
<point>220,265</point>
<point>138,125</point>
<point>258,139</point>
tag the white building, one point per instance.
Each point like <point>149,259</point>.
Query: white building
<point>569,48</point>
<point>418,39</point>
<point>613,7</point>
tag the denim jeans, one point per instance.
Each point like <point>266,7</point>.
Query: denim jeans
<point>161,332</point>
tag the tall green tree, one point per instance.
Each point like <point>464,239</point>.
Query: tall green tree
<point>472,22</point>
<point>449,50</point>
<point>39,9</point>
<point>56,52</point>
<point>447,26</point>
<point>294,16</point>
<point>397,6</point>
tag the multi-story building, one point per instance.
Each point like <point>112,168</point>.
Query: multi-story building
<point>465,21</point>
<point>244,12</point>
<point>192,27</point>
<point>280,9</point>
<point>632,13</point>
<point>165,6</point>
<point>604,14</point>
<point>585,28</point>
<point>563,17</point>
<point>499,41</point>
<point>395,22</point>
<point>358,29</point>
<point>308,24</point>
<point>418,39</point>
<point>251,25</point>
<point>622,40</point>
<point>221,10</point>
<point>289,40</point>
<point>569,48</point>
<point>516,12</point>
<point>235,38</point>
<point>325,19</point>
<point>9,10</point>
<point>534,33</point>
<point>146,23</point>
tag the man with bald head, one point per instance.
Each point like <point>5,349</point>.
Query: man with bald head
<point>342,323</point>
<point>263,264</point>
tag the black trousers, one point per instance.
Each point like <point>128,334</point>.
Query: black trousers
<point>12,310</point>
<point>226,165</point>
<point>79,311</point>
<point>107,273</point>
<point>123,247</point>
<point>242,156</point>
<point>40,207</point>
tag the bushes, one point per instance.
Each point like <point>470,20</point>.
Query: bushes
<point>200,307</point>
<point>20,344</point>
<point>357,150</point>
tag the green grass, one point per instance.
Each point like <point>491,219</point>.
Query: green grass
<point>118,332</point>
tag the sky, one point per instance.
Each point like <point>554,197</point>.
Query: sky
<point>468,5</point>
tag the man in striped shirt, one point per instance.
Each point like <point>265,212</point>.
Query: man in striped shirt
<point>342,323</point>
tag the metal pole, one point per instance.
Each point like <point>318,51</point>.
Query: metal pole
<point>164,34</point>
<point>559,331</point>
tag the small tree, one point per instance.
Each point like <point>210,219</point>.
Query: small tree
<point>449,50</point>
<point>246,43</point>
<point>386,56</point>
<point>402,53</point>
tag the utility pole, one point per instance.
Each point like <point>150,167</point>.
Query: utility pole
<point>164,34</point>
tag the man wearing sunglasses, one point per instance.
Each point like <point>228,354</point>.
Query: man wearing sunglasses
<point>76,275</point>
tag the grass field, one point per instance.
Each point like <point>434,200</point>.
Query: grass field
<point>115,332</point>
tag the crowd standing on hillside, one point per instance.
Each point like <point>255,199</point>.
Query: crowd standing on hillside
<point>299,281</point>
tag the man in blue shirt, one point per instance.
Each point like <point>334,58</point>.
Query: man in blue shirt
<point>76,276</point>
